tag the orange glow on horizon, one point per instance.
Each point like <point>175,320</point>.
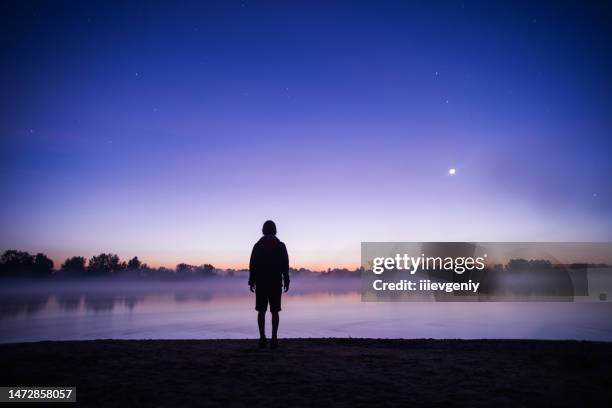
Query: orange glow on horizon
<point>171,263</point>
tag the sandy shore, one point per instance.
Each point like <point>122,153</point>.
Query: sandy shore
<point>318,372</point>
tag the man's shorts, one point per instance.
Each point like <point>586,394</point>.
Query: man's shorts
<point>264,295</point>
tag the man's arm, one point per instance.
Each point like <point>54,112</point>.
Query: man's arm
<point>252,270</point>
<point>285,270</point>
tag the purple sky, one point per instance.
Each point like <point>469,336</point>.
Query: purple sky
<point>173,132</point>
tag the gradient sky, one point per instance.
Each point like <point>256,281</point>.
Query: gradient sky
<point>172,132</point>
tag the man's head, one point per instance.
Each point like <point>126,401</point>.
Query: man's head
<point>269,228</point>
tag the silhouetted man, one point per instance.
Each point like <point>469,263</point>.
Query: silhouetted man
<point>268,275</point>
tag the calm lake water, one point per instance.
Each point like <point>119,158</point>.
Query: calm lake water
<point>224,308</point>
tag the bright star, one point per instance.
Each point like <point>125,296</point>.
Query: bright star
<point>451,172</point>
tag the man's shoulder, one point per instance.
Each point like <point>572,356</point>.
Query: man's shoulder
<point>280,243</point>
<point>270,243</point>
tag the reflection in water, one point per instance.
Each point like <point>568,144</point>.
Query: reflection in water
<point>224,308</point>
<point>69,302</point>
<point>29,304</point>
<point>186,296</point>
<point>99,303</point>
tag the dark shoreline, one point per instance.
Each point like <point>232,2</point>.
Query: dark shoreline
<point>317,372</point>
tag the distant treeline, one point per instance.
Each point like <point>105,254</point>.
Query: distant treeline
<point>520,264</point>
<point>20,264</point>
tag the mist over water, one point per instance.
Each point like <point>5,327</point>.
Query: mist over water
<point>314,307</point>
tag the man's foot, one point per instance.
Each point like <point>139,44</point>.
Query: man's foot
<point>274,343</point>
<point>262,342</point>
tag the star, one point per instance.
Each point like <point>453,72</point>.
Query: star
<point>452,171</point>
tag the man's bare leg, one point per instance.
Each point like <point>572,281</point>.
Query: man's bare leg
<point>275,320</point>
<point>261,323</point>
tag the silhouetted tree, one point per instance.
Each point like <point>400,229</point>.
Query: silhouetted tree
<point>21,264</point>
<point>161,273</point>
<point>74,266</point>
<point>43,266</point>
<point>134,264</point>
<point>205,270</point>
<point>579,265</point>
<point>16,263</point>
<point>517,265</point>
<point>104,264</point>
<point>184,269</point>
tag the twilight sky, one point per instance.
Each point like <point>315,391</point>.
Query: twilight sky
<point>172,132</point>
